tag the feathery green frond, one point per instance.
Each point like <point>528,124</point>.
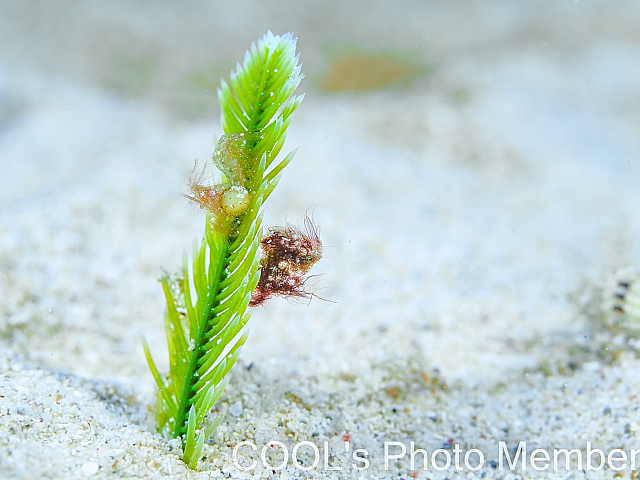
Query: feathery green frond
<point>207,302</point>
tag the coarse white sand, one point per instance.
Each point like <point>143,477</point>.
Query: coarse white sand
<point>471,222</point>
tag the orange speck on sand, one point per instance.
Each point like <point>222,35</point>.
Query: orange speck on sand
<point>362,72</point>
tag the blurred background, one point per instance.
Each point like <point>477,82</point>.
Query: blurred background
<point>473,167</point>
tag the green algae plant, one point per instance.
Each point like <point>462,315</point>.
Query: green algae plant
<point>234,267</point>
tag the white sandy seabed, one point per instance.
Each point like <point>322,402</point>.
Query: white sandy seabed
<point>464,243</point>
